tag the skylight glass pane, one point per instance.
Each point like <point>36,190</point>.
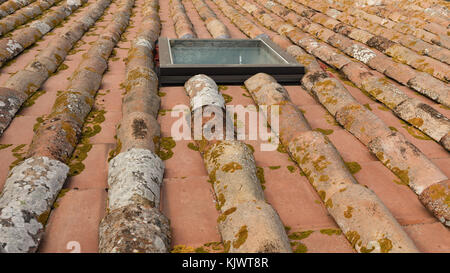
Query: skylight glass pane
<point>233,54</point>
<point>226,61</point>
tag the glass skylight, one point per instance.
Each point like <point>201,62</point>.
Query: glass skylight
<point>229,61</point>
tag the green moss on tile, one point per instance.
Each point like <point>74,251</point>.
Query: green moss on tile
<point>368,106</point>
<point>251,148</point>
<point>331,231</point>
<point>300,235</point>
<point>260,175</point>
<point>165,148</point>
<point>291,169</point>
<point>4,146</point>
<point>19,153</point>
<point>324,131</point>
<point>31,100</point>
<point>227,98</point>
<point>299,247</point>
<point>192,146</point>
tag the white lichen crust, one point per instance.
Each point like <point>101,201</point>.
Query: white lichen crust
<point>25,202</point>
<point>135,175</point>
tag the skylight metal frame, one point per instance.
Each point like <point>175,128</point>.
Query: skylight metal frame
<point>169,73</point>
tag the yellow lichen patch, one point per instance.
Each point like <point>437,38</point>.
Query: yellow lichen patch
<point>438,191</point>
<point>226,246</point>
<point>324,178</point>
<point>414,132</point>
<point>322,195</point>
<point>212,176</point>
<point>304,159</point>
<point>353,237</point>
<point>231,167</point>
<point>348,212</point>
<point>241,237</point>
<point>385,245</point>
<point>380,156</point>
<point>402,174</point>
<point>220,201</point>
<point>416,121</point>
<point>329,203</point>
<point>224,215</point>
<point>305,59</point>
<point>320,163</point>
<point>353,167</point>
<point>363,249</point>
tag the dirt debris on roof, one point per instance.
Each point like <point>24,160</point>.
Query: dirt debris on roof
<point>86,135</point>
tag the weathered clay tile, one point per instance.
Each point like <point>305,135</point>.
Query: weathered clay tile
<point>397,51</point>
<point>435,198</point>
<point>388,93</point>
<point>326,171</point>
<point>183,25</point>
<point>217,29</point>
<point>24,15</point>
<point>247,223</point>
<point>425,117</point>
<point>136,173</point>
<point>23,38</point>
<point>379,128</point>
<point>27,81</point>
<point>13,5</point>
